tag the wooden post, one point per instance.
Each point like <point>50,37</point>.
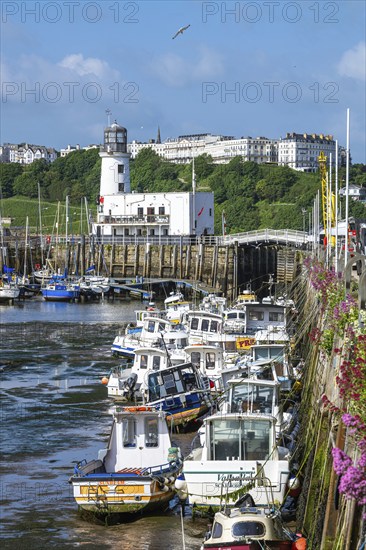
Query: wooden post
<point>174,261</point>
<point>77,263</point>
<point>181,257</point>
<point>136,262</point>
<point>188,261</point>
<point>161,260</point>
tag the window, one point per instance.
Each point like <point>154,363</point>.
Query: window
<point>205,324</point>
<point>151,326</point>
<point>240,439</point>
<point>194,323</point>
<point>150,214</point>
<point>129,432</point>
<point>140,212</point>
<point>151,432</point>
<point>214,326</point>
<point>276,316</point>
<point>156,362</point>
<point>210,360</point>
<point>256,315</point>
<point>217,530</point>
<point>121,168</point>
<point>248,528</point>
<point>195,358</point>
<point>161,210</point>
<point>143,362</point>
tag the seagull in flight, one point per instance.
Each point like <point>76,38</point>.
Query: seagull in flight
<point>181,31</point>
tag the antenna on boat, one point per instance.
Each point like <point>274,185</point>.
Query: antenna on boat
<point>166,351</point>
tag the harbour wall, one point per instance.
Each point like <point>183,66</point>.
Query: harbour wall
<point>329,519</point>
<point>225,268</point>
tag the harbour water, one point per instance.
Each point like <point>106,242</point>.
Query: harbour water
<point>54,412</point>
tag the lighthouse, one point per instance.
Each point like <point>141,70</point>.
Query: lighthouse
<point>115,172</point>
<point>131,215</point>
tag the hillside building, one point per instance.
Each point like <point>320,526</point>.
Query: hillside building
<point>25,153</point>
<point>301,151</point>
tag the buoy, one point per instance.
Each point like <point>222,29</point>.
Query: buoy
<point>105,380</point>
<point>137,409</point>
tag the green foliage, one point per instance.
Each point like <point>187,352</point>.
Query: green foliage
<point>253,196</point>
<point>8,173</point>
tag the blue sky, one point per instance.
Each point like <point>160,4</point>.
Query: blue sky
<point>242,69</point>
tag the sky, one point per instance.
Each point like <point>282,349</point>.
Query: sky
<point>251,68</point>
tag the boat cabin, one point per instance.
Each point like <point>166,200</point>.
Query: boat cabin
<point>239,437</point>
<point>139,436</point>
<point>208,359</point>
<point>247,528</point>
<point>178,379</point>
<point>253,396</point>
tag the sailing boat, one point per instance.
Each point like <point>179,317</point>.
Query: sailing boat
<point>9,291</point>
<point>27,289</point>
<point>43,274</point>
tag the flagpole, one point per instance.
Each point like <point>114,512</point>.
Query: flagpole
<point>347,189</point>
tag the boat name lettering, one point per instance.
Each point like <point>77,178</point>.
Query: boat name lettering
<point>234,479</point>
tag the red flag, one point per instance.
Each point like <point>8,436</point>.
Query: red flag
<point>200,212</point>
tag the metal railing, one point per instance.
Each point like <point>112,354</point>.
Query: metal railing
<point>285,237</point>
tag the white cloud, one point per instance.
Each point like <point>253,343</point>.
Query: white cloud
<point>177,71</point>
<point>353,62</point>
<point>83,66</point>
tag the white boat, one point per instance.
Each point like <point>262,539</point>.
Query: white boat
<point>153,332</point>
<point>94,285</point>
<point>130,384</point>
<point>235,329</point>
<point>210,361</point>
<point>8,292</point>
<point>137,470</point>
<point>237,454</point>
<point>248,527</point>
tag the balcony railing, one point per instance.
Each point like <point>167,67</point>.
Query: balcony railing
<point>152,219</point>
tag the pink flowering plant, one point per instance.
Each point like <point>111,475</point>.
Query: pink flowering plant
<point>339,311</point>
<point>342,318</point>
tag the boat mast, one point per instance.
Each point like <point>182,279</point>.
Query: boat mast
<point>57,223</point>
<point>25,250</point>
<point>40,222</point>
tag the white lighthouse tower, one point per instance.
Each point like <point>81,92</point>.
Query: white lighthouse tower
<point>115,173</point>
<point>126,215</point>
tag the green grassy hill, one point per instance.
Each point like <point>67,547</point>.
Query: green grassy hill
<point>18,208</point>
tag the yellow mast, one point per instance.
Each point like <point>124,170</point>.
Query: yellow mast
<point>328,198</point>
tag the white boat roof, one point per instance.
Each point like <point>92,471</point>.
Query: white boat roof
<point>203,313</point>
<point>242,416</point>
<point>150,351</point>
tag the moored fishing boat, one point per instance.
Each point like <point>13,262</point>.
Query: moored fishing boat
<point>181,391</point>
<point>136,472</point>
<point>247,527</point>
<point>237,454</point>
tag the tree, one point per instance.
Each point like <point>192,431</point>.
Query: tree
<point>8,173</point>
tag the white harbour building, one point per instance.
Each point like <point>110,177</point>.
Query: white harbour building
<point>125,213</point>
